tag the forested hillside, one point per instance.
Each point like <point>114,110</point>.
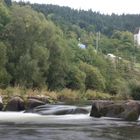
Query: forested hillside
<point>116,30</point>
<point>89,20</point>
<point>41,48</point>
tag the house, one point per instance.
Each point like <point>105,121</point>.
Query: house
<point>82,46</point>
<point>113,57</point>
<point>137,37</point>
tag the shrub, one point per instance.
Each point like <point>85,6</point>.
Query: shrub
<point>50,94</point>
<point>14,91</point>
<point>94,95</point>
<point>135,89</point>
<point>118,86</point>
<point>68,95</point>
<point>76,79</point>
<point>94,79</point>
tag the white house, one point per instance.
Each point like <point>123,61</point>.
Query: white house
<point>82,46</point>
<point>109,55</point>
<point>113,57</point>
<point>137,37</point>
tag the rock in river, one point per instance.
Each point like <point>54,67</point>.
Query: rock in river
<point>15,104</point>
<point>1,104</point>
<point>59,110</point>
<point>128,110</point>
<point>32,103</point>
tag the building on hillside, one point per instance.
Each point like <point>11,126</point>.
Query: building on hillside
<point>113,57</point>
<point>137,37</point>
<point>82,46</point>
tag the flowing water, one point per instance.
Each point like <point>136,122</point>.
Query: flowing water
<point>28,126</point>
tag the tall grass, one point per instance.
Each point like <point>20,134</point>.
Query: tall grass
<point>65,95</point>
<point>96,95</point>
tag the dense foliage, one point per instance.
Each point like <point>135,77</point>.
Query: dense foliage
<point>39,50</point>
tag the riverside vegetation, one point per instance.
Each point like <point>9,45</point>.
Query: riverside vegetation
<point>39,52</point>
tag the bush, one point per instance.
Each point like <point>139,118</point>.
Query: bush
<point>135,92</point>
<point>76,79</point>
<point>50,94</point>
<point>118,86</point>
<point>4,78</point>
<point>94,79</point>
<point>68,95</point>
<point>95,95</point>
<point>14,91</point>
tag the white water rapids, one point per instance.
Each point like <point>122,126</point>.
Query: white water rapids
<point>23,118</point>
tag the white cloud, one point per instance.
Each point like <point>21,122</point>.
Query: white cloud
<point>104,6</point>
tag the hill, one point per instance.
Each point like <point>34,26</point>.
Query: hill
<point>89,20</point>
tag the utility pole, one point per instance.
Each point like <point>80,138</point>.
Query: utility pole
<point>135,44</point>
<point>134,52</point>
<point>97,40</point>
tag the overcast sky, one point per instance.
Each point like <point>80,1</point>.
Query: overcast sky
<point>103,6</point>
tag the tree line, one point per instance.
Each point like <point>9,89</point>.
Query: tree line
<point>89,20</point>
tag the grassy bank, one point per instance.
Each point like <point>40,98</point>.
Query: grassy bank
<point>65,95</point>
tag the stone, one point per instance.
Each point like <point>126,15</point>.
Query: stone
<point>32,103</point>
<point>40,98</point>
<point>48,109</point>
<point>129,110</point>
<point>97,106</point>
<point>15,104</point>
<point>1,104</point>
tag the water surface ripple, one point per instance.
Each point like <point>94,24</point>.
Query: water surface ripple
<point>66,127</point>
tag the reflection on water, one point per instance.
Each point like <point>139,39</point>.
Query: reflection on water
<point>67,127</point>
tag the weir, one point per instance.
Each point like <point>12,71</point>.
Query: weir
<point>46,114</point>
<point>59,110</point>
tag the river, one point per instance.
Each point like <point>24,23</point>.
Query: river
<point>28,126</point>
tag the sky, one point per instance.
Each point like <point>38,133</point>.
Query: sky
<point>102,6</point>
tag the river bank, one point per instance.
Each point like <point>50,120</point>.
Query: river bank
<point>128,110</point>
<point>65,95</point>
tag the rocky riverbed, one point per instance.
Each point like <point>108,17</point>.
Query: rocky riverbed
<point>126,110</point>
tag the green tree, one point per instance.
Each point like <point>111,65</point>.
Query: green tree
<point>94,80</point>
<point>4,16</point>
<point>76,79</point>
<point>8,2</point>
<point>28,73</point>
<point>25,35</point>
<point>4,76</point>
<point>118,86</point>
<point>58,65</point>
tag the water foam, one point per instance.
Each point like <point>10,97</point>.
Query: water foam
<point>20,118</point>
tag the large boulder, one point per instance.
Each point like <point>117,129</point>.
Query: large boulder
<point>129,110</point>
<point>41,98</point>
<point>97,108</point>
<point>15,104</point>
<point>1,104</point>
<point>32,103</point>
<point>59,110</point>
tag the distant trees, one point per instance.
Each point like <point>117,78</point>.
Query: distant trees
<point>89,20</point>
<point>8,2</point>
<point>4,15</point>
